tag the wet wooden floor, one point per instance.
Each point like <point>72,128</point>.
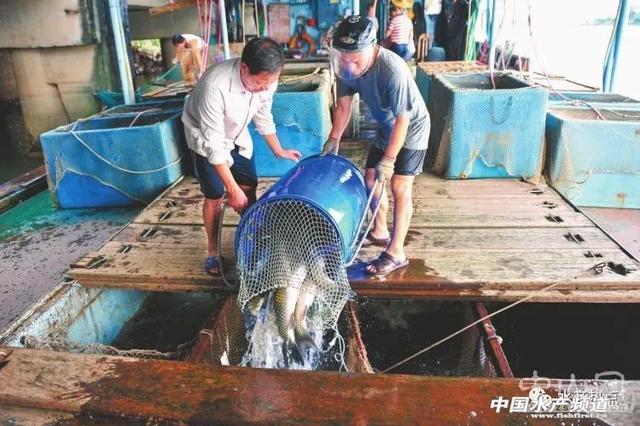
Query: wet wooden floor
<point>491,239</point>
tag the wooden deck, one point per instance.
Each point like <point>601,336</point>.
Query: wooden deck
<point>62,388</point>
<point>494,239</point>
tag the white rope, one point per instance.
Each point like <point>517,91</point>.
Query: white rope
<point>115,166</point>
<point>597,269</point>
<point>138,115</point>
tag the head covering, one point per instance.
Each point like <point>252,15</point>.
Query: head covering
<point>353,33</point>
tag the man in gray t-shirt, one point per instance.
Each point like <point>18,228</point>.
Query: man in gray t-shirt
<point>385,84</point>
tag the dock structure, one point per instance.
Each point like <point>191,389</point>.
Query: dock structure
<point>482,240</point>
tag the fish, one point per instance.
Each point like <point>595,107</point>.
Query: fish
<point>307,296</point>
<point>255,304</point>
<point>285,300</point>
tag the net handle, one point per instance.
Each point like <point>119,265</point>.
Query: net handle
<point>356,247</point>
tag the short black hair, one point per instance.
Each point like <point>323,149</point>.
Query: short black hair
<point>263,54</point>
<point>177,39</point>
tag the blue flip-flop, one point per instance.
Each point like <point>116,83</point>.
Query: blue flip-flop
<point>212,262</point>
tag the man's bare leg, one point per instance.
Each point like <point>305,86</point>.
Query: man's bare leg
<point>380,230</point>
<point>211,211</point>
<point>402,189</point>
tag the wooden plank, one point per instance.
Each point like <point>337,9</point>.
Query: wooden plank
<point>171,7</point>
<point>430,187</point>
<point>435,214</point>
<point>181,392</point>
<point>500,270</point>
<point>162,267</point>
<point>417,238</point>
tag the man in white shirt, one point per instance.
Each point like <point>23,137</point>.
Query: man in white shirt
<point>216,116</point>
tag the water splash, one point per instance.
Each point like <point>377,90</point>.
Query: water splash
<point>266,345</point>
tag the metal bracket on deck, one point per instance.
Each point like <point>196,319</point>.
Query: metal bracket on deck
<point>554,219</point>
<point>591,254</point>
<point>549,205</point>
<point>164,216</point>
<point>148,232</point>
<point>536,191</point>
<point>97,262</point>
<point>125,248</point>
<point>576,238</point>
<point>4,354</point>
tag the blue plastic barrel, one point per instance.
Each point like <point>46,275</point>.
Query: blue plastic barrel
<point>332,185</point>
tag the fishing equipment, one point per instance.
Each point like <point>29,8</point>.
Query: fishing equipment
<point>311,218</point>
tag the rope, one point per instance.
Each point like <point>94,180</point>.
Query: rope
<point>597,270</point>
<point>143,112</point>
<point>115,166</point>
<point>227,283</point>
<point>299,77</point>
<point>544,71</point>
<point>364,216</point>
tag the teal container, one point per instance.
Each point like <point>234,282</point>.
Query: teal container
<point>580,99</point>
<point>303,122</point>
<point>481,132</point>
<point>173,104</point>
<point>426,72</point>
<point>113,161</point>
<point>595,162</point>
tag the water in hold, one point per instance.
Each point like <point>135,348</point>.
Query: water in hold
<point>283,331</point>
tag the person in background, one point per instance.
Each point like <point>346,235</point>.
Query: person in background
<point>432,9</point>
<point>298,41</point>
<point>385,84</point>
<point>370,13</point>
<point>216,116</point>
<point>400,33</point>
<point>189,54</point>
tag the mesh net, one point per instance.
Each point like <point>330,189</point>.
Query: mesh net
<point>222,339</point>
<point>64,345</point>
<point>288,243</point>
<point>431,68</point>
<point>596,114</point>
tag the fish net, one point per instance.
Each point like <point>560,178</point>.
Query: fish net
<point>65,345</point>
<point>288,243</point>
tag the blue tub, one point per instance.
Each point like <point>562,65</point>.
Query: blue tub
<point>331,185</point>
<point>605,100</point>
<point>168,105</point>
<point>592,162</point>
<point>481,132</point>
<point>114,161</point>
<point>303,122</point>
<point>426,72</point>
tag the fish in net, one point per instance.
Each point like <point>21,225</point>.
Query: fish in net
<point>292,279</point>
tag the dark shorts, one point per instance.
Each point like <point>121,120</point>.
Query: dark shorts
<point>409,162</point>
<point>243,171</point>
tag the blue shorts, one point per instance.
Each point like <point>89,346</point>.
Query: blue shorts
<point>409,162</point>
<point>243,171</point>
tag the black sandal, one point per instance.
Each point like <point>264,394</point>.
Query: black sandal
<point>370,240</point>
<point>385,264</point>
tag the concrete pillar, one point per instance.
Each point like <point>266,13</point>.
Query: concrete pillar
<point>41,103</point>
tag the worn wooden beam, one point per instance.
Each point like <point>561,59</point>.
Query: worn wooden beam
<point>171,7</point>
<point>126,389</point>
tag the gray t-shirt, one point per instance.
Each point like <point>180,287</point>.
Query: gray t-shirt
<point>388,89</point>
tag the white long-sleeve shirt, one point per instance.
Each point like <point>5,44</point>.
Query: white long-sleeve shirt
<point>217,113</point>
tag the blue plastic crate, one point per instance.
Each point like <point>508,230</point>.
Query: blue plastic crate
<point>481,132</point>
<point>595,162</point>
<point>303,122</point>
<point>425,72</point>
<point>168,105</point>
<point>113,161</point>
<point>605,100</point>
